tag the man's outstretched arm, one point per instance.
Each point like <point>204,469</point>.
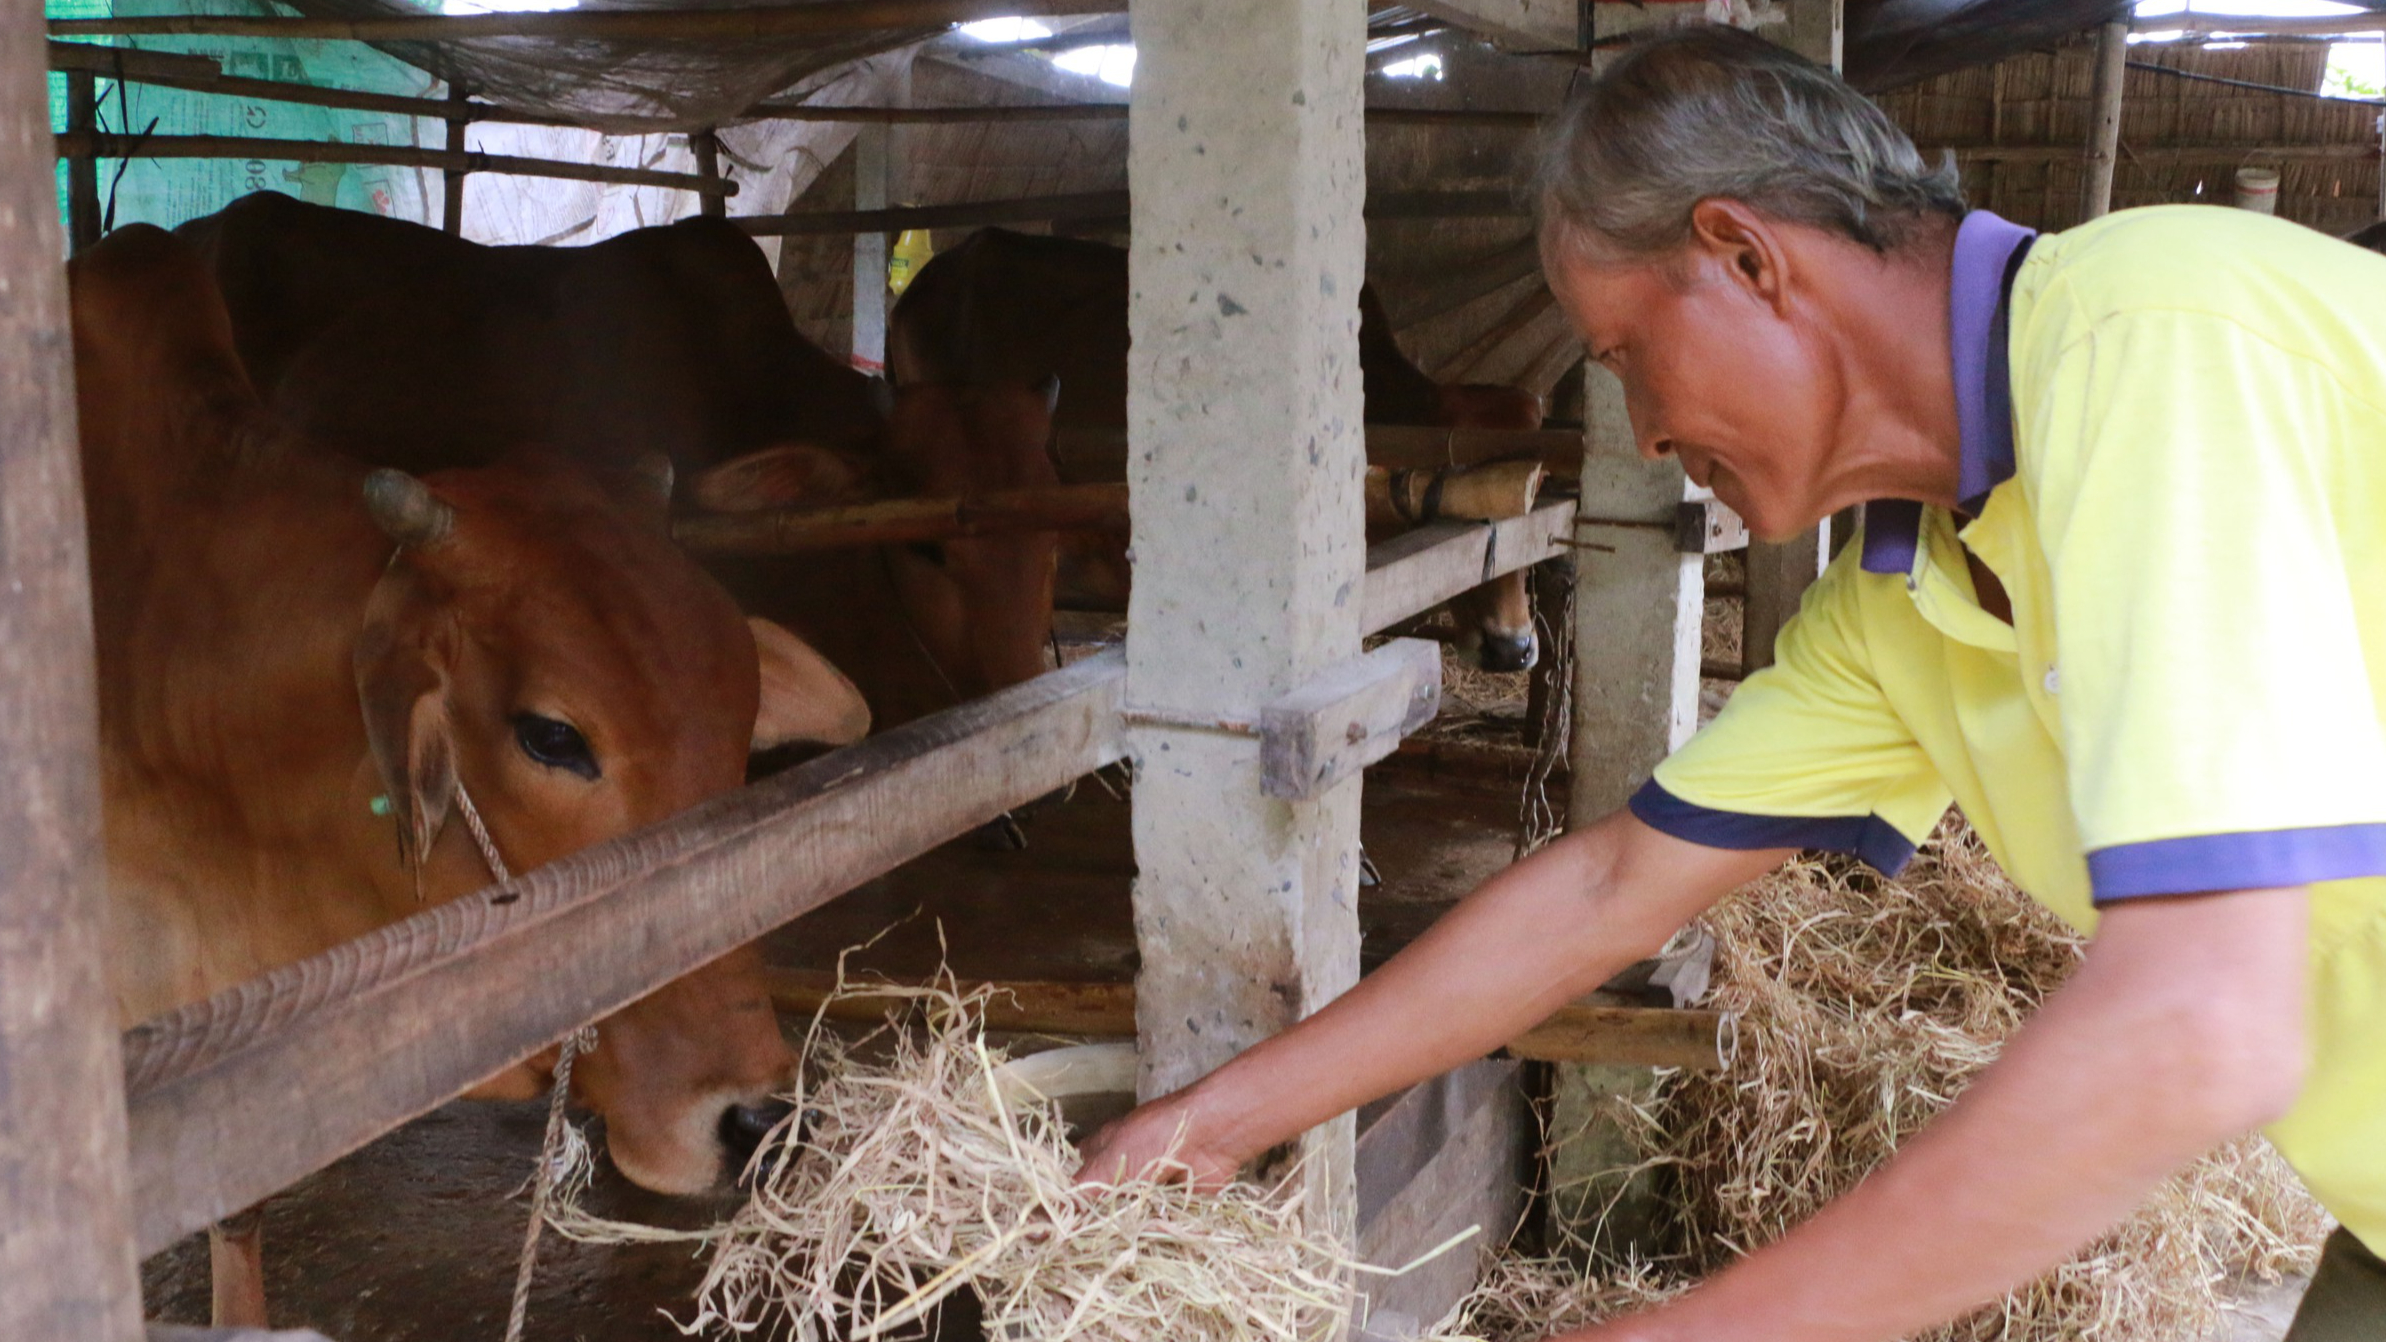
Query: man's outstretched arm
<point>1529,940</point>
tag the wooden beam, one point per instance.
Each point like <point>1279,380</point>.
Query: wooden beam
<point>1595,1030</point>
<point>825,18</point>
<point>237,1096</point>
<point>89,144</point>
<point>1101,453</point>
<point>1527,25</point>
<point>1086,205</point>
<point>2333,25</point>
<point>1418,570</point>
<point>452,180</point>
<point>1018,113</point>
<point>200,74</point>
<point>2169,155</point>
<point>2104,120</point>
<point>1347,717</point>
<point>83,217</point>
<point>67,1268</point>
<point>706,146</point>
<point>873,178</point>
<point>778,531</point>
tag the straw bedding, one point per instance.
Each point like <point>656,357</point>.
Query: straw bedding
<point>1866,1005</point>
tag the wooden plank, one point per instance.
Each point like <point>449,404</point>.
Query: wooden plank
<point>1448,1154</point>
<point>2333,25</point>
<point>201,74</point>
<point>66,1254</point>
<point>778,531</point>
<point>873,173</point>
<point>706,147</point>
<point>1418,570</point>
<point>1708,526</point>
<point>1597,1029</point>
<point>237,1096</point>
<point>824,18</point>
<point>1525,25</point>
<point>92,144</point>
<point>1778,576</point>
<point>83,217</point>
<point>1016,113</point>
<point>1347,717</point>
<point>452,180</point>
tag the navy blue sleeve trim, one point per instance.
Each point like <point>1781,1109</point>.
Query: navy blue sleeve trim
<point>2254,860</point>
<point>1867,837</point>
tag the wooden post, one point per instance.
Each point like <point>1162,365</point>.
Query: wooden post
<point>66,1244</point>
<point>1779,574</point>
<point>870,164</point>
<point>2104,121</point>
<point>1247,151</point>
<point>451,212</point>
<point>82,171</point>
<point>706,145</point>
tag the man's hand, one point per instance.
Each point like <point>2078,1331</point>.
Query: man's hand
<point>1159,1141</point>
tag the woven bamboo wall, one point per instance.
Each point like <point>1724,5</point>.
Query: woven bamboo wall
<point>2326,151</point>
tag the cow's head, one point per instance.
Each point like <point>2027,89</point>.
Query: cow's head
<point>979,606</point>
<point>539,646</point>
<point>1495,620</point>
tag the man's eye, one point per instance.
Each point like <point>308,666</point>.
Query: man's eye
<point>556,744</point>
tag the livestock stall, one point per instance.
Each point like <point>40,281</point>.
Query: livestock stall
<point>1246,695</point>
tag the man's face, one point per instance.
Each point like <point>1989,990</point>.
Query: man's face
<point>1718,369</point>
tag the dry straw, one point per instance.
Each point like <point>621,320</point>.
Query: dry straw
<point>1866,1006</point>
<point>917,1176</point>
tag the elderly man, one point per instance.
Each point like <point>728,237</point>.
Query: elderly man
<point>2121,594</point>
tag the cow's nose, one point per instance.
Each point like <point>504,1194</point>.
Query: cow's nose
<point>743,1127</point>
<point>1508,652</point>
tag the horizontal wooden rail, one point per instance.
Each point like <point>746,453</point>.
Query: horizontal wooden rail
<point>823,19</point>
<point>1418,570</point>
<point>237,1096</point>
<point>1584,1032</point>
<point>201,74</point>
<point>94,144</point>
<point>2329,25</point>
<point>2169,155</point>
<point>1017,113</point>
<point>772,531</point>
<point>1084,453</point>
<point>1086,205</point>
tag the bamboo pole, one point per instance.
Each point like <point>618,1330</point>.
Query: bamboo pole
<point>67,1267</point>
<point>1092,205</point>
<point>129,62</point>
<point>824,19</point>
<point>86,144</point>
<point>2104,121</point>
<point>773,531</point>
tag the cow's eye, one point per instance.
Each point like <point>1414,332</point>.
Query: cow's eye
<point>556,744</point>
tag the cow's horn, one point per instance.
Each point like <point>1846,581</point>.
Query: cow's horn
<point>406,509</point>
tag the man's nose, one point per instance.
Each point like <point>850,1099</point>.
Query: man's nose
<point>1656,447</point>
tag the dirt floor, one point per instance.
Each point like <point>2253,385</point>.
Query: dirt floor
<point>415,1238</point>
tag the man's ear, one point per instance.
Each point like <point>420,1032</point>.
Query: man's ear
<point>791,475</point>
<point>804,698</point>
<point>1747,243</point>
<point>401,683</point>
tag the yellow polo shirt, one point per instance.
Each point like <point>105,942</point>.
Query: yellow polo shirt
<point>2175,462</point>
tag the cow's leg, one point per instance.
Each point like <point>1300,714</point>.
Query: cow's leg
<point>1495,624</point>
<point>236,1260</point>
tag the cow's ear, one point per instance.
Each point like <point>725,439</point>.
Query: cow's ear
<point>401,684</point>
<point>804,698</point>
<point>791,475</point>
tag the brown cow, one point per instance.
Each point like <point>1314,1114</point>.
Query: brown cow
<point>293,708</point>
<point>1005,307</point>
<point>416,350</point>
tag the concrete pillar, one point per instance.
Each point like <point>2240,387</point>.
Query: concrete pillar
<point>1246,154</point>
<point>66,1244</point>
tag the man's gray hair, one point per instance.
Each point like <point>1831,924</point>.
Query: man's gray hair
<point>1710,111</point>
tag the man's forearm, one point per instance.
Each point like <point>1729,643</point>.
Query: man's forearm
<point>1528,941</point>
<point>2169,1041</point>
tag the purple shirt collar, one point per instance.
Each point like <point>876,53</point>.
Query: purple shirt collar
<point>1988,253</point>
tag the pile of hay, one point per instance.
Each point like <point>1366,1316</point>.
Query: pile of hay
<point>914,1181</point>
<point>1865,1007</point>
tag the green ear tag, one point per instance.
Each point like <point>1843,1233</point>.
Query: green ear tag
<point>379,805</point>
